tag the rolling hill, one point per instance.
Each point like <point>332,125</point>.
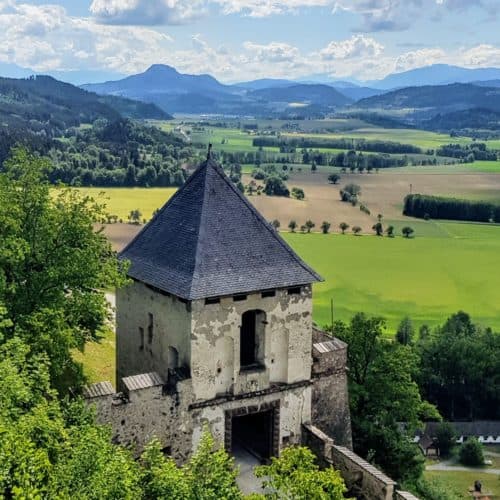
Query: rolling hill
<point>303,93</point>
<point>453,97</point>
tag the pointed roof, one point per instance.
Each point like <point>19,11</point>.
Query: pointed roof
<point>209,241</point>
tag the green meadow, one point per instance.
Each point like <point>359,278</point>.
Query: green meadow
<point>455,266</point>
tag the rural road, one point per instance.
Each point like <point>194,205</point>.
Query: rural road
<point>448,467</point>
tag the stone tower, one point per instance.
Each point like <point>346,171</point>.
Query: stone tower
<point>216,328</point>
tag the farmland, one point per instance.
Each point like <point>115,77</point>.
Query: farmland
<point>446,267</point>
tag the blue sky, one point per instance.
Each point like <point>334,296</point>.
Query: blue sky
<point>244,39</point>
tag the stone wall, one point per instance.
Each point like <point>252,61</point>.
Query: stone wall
<point>148,409</point>
<point>363,480</point>
<point>330,396</point>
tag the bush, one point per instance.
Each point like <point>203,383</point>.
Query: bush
<point>298,193</point>
<point>471,453</point>
<point>356,230</point>
<point>407,231</point>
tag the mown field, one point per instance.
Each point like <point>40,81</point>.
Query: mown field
<point>427,278</point>
<point>447,267</point>
<point>461,481</point>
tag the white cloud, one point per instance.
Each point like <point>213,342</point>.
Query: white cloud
<point>274,52</point>
<point>356,46</point>
<point>264,8</point>
<point>419,58</point>
<point>46,38</point>
<point>147,12</point>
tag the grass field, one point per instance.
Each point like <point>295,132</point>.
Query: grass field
<point>461,481</point>
<point>120,201</point>
<point>427,278</point>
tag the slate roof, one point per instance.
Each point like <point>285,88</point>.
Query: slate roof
<point>209,241</point>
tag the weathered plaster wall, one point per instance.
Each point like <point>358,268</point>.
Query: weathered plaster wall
<point>137,416</point>
<point>215,343</point>
<point>171,322</point>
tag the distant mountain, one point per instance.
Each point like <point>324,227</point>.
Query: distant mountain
<point>453,97</point>
<point>203,94</point>
<point>159,79</point>
<point>488,83</point>
<point>43,103</point>
<point>264,83</point>
<point>474,118</point>
<point>435,74</point>
<point>356,93</point>
<point>310,94</point>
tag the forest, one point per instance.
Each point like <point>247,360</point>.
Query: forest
<point>438,207</point>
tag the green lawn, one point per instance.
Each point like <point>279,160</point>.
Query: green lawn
<point>461,481</point>
<point>427,277</point>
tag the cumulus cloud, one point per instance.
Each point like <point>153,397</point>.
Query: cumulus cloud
<point>147,12</point>
<point>263,8</point>
<point>46,38</point>
<point>356,46</point>
<point>419,58</point>
<point>273,52</point>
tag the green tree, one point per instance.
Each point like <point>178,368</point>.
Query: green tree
<point>274,186</point>
<point>343,227</point>
<point>325,227</point>
<point>356,230</point>
<point>276,224</point>
<point>292,225</point>
<point>296,475</point>
<point>405,332</point>
<point>134,217</point>
<point>160,477</point>
<point>334,178</point>
<point>407,231</point>
<point>471,453</point>
<point>379,230</point>
<point>53,265</point>
<point>383,392</point>
<point>445,436</point>
<point>309,224</point>
<point>390,231</point>
<point>212,474</point>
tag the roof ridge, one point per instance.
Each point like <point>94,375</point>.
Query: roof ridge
<point>218,169</point>
<point>204,169</point>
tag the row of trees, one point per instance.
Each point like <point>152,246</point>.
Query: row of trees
<point>288,144</point>
<point>438,207</point>
<point>467,152</point>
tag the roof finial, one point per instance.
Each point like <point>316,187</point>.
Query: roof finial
<point>209,152</point>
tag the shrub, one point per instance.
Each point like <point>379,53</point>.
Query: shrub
<point>292,225</point>
<point>334,178</point>
<point>276,224</point>
<point>407,231</point>
<point>298,193</point>
<point>471,453</point>
<point>356,230</point>
<point>390,231</point>
<point>309,225</point>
